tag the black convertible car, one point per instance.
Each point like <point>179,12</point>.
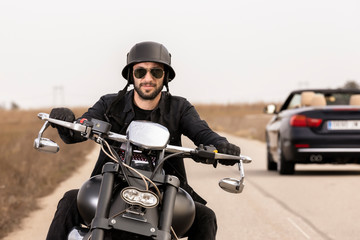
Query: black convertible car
<point>314,126</point>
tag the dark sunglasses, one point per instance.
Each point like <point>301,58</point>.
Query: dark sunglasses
<point>155,72</point>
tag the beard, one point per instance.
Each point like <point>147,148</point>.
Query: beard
<point>148,95</point>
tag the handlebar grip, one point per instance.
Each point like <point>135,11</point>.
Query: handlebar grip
<point>205,154</point>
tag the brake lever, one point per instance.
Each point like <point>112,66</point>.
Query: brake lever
<point>85,130</point>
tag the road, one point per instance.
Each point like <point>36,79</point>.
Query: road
<point>318,202</point>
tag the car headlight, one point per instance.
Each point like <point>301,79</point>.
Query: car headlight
<point>135,196</point>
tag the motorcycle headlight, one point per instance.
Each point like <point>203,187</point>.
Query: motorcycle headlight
<point>135,196</point>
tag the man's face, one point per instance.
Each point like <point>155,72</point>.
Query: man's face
<point>148,86</point>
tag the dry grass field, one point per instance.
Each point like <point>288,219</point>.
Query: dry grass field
<point>243,120</point>
<point>26,174</point>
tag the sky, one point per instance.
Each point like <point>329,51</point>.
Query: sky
<point>70,53</point>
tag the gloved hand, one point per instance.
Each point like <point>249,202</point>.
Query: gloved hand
<point>205,154</point>
<point>63,114</point>
<point>228,148</point>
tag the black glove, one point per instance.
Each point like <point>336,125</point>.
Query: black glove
<point>205,154</point>
<point>63,114</point>
<point>228,148</point>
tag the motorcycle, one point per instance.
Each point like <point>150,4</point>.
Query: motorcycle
<point>133,198</point>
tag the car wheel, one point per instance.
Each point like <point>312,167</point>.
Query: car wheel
<point>271,164</point>
<point>284,166</point>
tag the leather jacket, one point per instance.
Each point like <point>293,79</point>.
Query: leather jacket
<point>173,112</point>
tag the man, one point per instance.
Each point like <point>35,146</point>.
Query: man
<point>149,70</point>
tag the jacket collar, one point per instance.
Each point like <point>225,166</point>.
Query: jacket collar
<point>129,97</point>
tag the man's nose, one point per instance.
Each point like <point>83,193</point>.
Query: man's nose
<point>148,76</point>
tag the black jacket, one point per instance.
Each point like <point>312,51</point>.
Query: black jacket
<point>175,113</point>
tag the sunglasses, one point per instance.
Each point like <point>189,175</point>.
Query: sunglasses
<point>155,72</point>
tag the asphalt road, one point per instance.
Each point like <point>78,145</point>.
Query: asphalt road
<point>318,202</point>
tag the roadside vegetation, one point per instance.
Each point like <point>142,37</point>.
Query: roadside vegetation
<point>242,120</point>
<point>26,174</point>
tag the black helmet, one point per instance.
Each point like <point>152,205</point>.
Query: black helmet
<point>148,52</point>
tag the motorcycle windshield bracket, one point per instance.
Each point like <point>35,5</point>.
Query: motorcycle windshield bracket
<point>110,168</point>
<point>172,180</point>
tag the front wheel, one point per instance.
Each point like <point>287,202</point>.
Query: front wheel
<point>284,166</point>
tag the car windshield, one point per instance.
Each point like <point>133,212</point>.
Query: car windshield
<point>297,100</point>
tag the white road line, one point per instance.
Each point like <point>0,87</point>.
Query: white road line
<point>298,228</point>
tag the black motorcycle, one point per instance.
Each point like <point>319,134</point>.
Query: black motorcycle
<point>133,198</point>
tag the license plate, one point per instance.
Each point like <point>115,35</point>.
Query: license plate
<point>344,125</point>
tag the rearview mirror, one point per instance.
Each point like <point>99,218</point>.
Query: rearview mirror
<point>231,185</point>
<point>270,109</point>
<point>46,145</point>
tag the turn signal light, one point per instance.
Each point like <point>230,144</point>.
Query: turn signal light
<point>303,121</point>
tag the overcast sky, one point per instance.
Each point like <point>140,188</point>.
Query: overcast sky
<point>72,52</point>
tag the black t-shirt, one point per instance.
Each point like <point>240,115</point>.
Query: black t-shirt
<point>141,114</point>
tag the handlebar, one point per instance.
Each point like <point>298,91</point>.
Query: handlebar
<point>103,128</point>
<point>86,132</point>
